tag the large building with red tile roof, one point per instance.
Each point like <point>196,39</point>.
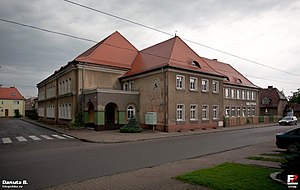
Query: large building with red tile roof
<point>167,85</point>
<point>11,100</point>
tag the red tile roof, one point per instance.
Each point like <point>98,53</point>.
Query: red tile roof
<point>10,94</point>
<point>114,51</point>
<point>173,52</point>
<point>232,75</point>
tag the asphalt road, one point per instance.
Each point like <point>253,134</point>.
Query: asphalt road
<point>47,163</point>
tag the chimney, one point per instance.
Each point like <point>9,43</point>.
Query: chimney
<point>270,87</point>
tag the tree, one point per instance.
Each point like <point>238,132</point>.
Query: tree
<point>295,98</point>
<point>17,113</point>
<point>132,126</point>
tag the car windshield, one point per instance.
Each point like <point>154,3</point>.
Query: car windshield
<point>287,118</point>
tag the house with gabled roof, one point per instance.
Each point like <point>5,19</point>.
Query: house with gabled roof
<point>10,100</point>
<point>112,81</point>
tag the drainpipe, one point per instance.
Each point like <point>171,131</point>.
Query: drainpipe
<point>165,100</point>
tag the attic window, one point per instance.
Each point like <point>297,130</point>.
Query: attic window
<point>227,79</point>
<point>239,81</point>
<point>13,94</point>
<point>195,63</point>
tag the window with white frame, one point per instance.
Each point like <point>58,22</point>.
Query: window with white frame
<point>193,112</point>
<point>130,111</point>
<point>248,111</point>
<point>205,86</point>
<point>244,111</point>
<point>193,83</point>
<point>238,94</point>
<point>131,86</point>
<point>233,111</point>
<point>227,111</point>
<point>253,95</point>
<point>253,111</point>
<point>180,112</point>
<point>205,112</point>
<point>126,86</point>
<point>238,112</point>
<point>69,111</point>
<point>41,111</point>
<point>227,93</point>
<point>248,95</point>
<point>70,85</point>
<point>233,93</point>
<point>179,82</point>
<point>215,86</point>
<point>244,95</point>
<point>215,112</point>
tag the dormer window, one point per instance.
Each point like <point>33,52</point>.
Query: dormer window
<point>239,81</point>
<point>196,64</point>
<point>13,94</point>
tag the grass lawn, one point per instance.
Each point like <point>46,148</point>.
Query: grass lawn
<point>274,154</point>
<point>281,160</point>
<point>233,176</point>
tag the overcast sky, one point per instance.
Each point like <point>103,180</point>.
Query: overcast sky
<point>264,31</point>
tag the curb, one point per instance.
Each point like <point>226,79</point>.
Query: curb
<point>175,135</point>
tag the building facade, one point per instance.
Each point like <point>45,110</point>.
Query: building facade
<point>11,100</point>
<point>112,81</point>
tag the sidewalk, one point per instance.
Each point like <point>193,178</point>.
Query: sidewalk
<point>114,136</point>
<point>162,177</point>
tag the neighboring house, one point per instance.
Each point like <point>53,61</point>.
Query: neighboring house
<point>240,96</point>
<point>272,102</point>
<point>11,100</point>
<point>112,81</point>
<point>30,106</point>
<point>295,109</point>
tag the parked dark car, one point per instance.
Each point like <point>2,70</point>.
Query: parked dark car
<point>288,140</point>
<point>288,120</point>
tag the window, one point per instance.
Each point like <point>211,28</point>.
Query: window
<point>205,85</point>
<point>126,86</point>
<point>233,111</point>
<point>253,95</point>
<point>70,85</point>
<point>238,111</point>
<point>215,86</point>
<point>233,95</point>
<point>193,83</point>
<point>16,102</point>
<point>130,111</point>
<point>69,111</point>
<point>248,95</point>
<point>227,111</point>
<point>227,92</point>
<point>205,115</point>
<point>179,82</point>
<point>215,112</point>
<point>238,94</point>
<point>193,112</point>
<point>180,112</point>
<point>244,111</point>
<point>248,111</point>
<point>244,95</point>
<point>131,86</point>
<point>253,111</point>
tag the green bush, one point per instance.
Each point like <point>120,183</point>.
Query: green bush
<point>17,113</point>
<point>132,126</point>
<point>79,121</point>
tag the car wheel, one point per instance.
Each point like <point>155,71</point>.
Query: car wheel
<point>292,148</point>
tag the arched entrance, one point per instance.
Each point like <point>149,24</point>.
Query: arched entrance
<point>111,113</point>
<point>91,115</point>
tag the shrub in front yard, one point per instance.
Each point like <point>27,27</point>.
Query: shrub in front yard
<point>132,126</point>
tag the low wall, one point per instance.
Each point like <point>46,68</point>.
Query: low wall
<point>237,121</point>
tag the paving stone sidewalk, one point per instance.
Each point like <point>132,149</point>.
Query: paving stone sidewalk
<point>114,136</point>
<point>162,177</point>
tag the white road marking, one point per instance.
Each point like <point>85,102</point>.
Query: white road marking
<point>59,137</point>
<point>34,138</point>
<point>21,139</point>
<point>68,136</point>
<point>6,140</point>
<point>46,137</point>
